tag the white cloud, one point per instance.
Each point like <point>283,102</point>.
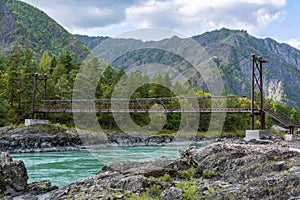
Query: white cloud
<point>190,16</point>
<point>294,43</point>
<point>184,16</point>
<point>84,14</point>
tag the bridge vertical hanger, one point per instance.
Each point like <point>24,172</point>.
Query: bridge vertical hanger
<point>257,82</point>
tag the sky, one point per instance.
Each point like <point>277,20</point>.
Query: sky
<point>277,19</point>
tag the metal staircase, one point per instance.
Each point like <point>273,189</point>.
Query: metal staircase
<point>284,120</point>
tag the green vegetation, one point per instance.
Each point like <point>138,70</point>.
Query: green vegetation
<point>233,48</point>
<point>16,72</point>
<point>165,178</point>
<point>208,174</point>
<point>189,190</point>
<point>74,190</point>
<point>153,193</point>
<point>90,41</point>
<point>188,174</point>
<point>44,187</point>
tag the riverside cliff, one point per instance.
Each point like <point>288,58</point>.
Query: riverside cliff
<point>221,170</point>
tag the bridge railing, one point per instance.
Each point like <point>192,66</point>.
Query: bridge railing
<point>163,104</point>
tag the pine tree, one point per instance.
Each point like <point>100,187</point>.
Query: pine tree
<point>45,63</point>
<point>60,81</point>
<point>3,100</point>
<point>26,90</point>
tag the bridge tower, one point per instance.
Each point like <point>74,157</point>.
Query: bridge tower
<point>37,92</point>
<point>257,83</point>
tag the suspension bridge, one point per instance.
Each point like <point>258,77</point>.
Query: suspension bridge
<point>168,104</point>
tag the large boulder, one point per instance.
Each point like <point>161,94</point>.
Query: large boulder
<point>13,176</point>
<point>171,194</point>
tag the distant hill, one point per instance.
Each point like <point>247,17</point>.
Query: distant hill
<point>232,48</point>
<point>22,25</point>
<point>90,41</point>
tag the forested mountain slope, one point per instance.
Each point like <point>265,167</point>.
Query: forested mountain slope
<point>22,25</point>
<point>281,72</point>
<point>231,49</point>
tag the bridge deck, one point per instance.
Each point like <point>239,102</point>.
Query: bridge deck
<point>144,105</point>
<point>205,110</point>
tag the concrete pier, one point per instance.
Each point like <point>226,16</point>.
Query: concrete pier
<point>257,134</point>
<point>29,122</point>
<point>290,137</point>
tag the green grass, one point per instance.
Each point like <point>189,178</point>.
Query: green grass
<point>212,135</point>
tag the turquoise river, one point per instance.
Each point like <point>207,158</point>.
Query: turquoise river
<point>62,168</point>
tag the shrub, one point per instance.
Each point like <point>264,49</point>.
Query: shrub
<point>75,189</point>
<point>152,193</point>
<point>189,190</point>
<point>165,178</point>
<point>208,174</point>
<point>189,173</point>
<point>44,187</point>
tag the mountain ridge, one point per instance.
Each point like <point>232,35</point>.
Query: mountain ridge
<point>233,48</point>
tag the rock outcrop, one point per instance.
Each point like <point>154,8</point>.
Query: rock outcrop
<point>122,139</point>
<point>13,181</point>
<point>13,176</point>
<point>222,170</point>
<point>42,138</point>
<point>38,138</point>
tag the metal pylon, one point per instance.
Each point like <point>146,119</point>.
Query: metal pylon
<point>36,91</point>
<point>257,82</point>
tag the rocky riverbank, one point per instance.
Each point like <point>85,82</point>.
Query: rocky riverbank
<point>221,170</point>
<point>45,138</point>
